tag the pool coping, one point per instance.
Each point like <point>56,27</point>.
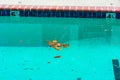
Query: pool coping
<point>64,8</point>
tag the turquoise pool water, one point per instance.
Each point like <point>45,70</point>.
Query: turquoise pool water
<point>26,55</point>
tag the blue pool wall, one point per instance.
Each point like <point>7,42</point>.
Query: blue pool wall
<point>60,13</point>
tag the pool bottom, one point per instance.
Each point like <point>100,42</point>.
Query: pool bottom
<point>93,62</point>
<point>90,58</point>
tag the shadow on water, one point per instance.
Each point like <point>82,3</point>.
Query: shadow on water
<point>28,33</point>
<point>37,36</point>
<point>32,35</point>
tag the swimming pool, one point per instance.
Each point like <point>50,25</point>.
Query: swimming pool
<point>26,55</point>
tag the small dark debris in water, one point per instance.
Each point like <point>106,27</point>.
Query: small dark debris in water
<point>95,72</point>
<point>79,79</point>
<point>57,56</point>
<point>23,64</point>
<point>72,70</point>
<point>25,68</point>
<point>49,62</point>
<point>25,60</point>
<point>28,69</point>
<point>31,69</point>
